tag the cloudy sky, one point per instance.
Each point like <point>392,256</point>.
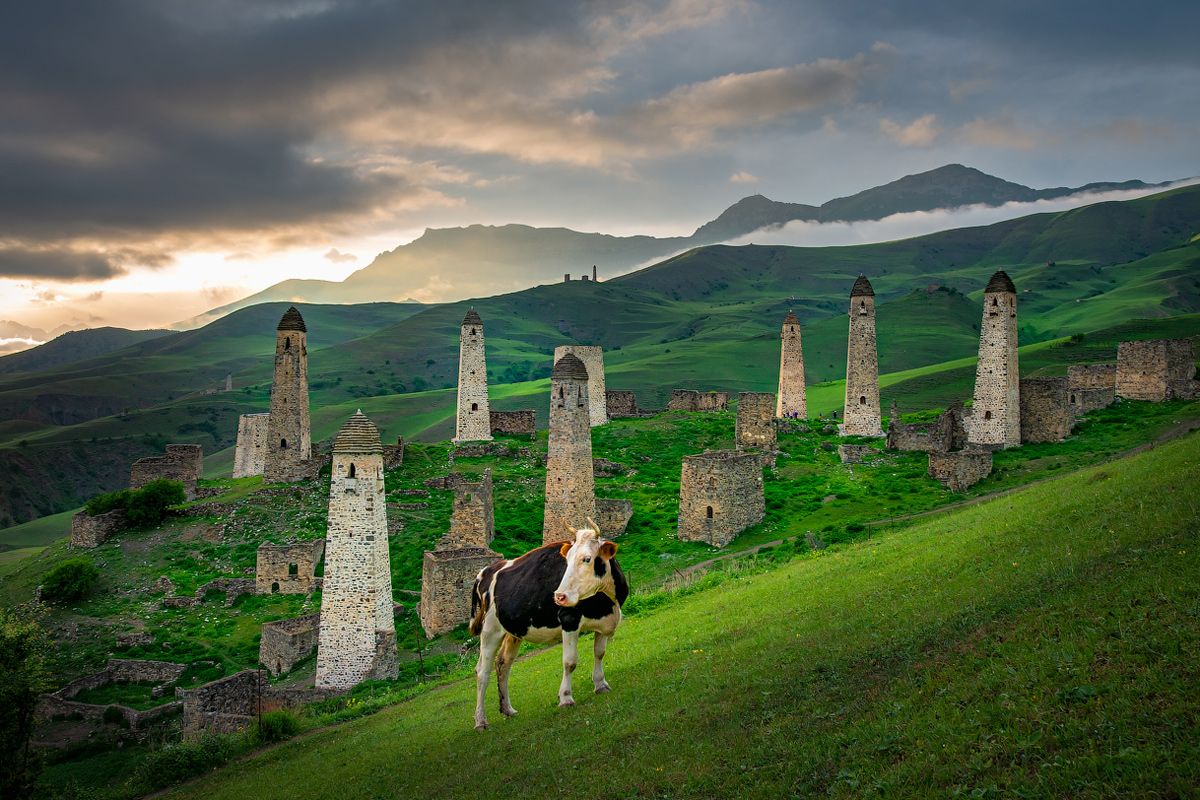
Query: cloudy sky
<point>161,157</point>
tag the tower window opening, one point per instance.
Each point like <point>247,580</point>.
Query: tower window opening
<point>283,444</point>
<point>987,415</point>
<point>353,471</point>
<point>710,512</point>
<point>474,406</point>
<point>862,400</point>
<point>274,587</point>
<point>472,331</point>
<point>293,569</point>
<point>1072,398</point>
<point>995,302</point>
<point>287,344</point>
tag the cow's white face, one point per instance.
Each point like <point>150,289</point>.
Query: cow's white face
<point>588,569</point>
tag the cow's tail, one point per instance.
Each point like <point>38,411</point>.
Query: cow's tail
<point>479,606</point>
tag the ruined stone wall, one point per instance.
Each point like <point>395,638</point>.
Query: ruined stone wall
<point>570,484</point>
<point>393,454</point>
<point>996,415</point>
<point>251,453</point>
<point>720,495</point>
<point>473,422</point>
<point>472,518</point>
<point>287,642</point>
<point>755,426</point>
<point>947,432</point>
<point>693,400</point>
<point>961,469</point>
<point>1045,410</point>
<point>288,568</point>
<point>1155,370</point>
<point>514,423</point>
<point>230,704</point>
<point>621,403</point>
<point>93,531</point>
<point>289,430</point>
<point>612,516</point>
<point>593,359</point>
<point>792,400</point>
<point>1091,386</point>
<point>855,453</point>
<point>862,413</point>
<point>446,580</point>
<point>181,462</point>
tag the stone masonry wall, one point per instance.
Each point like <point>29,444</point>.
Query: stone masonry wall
<point>612,516</point>
<point>570,484</point>
<point>961,469</point>
<point>287,642</point>
<point>1045,410</point>
<point>288,568</point>
<point>621,403</point>
<point>792,400</point>
<point>947,432</point>
<point>693,400</point>
<point>1091,386</point>
<point>93,531</point>
<point>289,429</point>
<point>593,359</point>
<point>862,413</point>
<point>720,495</point>
<point>472,518</point>
<point>230,704</point>
<point>514,423</point>
<point>1155,370</point>
<point>181,462</point>
<point>996,415</point>
<point>473,421</point>
<point>251,452</point>
<point>755,426</point>
<point>446,580</point>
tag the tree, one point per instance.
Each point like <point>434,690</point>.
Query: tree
<point>148,505</point>
<point>23,678</point>
<point>70,580</point>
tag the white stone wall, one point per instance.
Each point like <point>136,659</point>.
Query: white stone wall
<point>251,452</point>
<point>592,358</point>
<point>473,423</point>
<point>289,431</point>
<point>570,484</point>
<point>792,400</point>
<point>862,412</point>
<point>996,411</point>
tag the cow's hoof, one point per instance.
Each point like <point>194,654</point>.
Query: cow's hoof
<point>563,702</point>
<point>603,688</point>
<point>481,726</point>
<point>509,712</point>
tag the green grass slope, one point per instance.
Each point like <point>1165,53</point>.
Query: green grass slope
<point>1038,645</point>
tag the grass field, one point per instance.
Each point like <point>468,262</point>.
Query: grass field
<point>1038,645</point>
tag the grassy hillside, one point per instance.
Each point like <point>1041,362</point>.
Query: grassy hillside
<point>1038,645</point>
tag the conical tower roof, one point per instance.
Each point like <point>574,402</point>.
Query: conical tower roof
<point>1000,282</point>
<point>790,319</point>
<point>862,288</point>
<point>472,318</point>
<point>569,367</point>
<point>358,435</point>
<point>291,321</point>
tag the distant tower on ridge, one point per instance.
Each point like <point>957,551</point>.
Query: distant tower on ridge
<point>357,635</point>
<point>474,419</point>
<point>862,414</point>
<point>791,402</point>
<point>594,278</point>
<point>289,432</point>
<point>570,486</point>
<point>996,411</point>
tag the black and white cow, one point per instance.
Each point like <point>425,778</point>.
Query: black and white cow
<point>557,591</point>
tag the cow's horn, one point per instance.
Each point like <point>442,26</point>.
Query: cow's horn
<point>595,527</point>
<point>572,530</point>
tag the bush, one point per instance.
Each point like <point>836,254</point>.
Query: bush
<point>179,761</point>
<point>274,726</point>
<point>70,580</point>
<point>145,507</point>
<point>109,501</point>
<point>23,678</point>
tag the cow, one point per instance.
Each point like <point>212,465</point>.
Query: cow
<point>555,592</point>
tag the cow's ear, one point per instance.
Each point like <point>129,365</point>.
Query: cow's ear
<point>608,549</point>
<point>566,548</point>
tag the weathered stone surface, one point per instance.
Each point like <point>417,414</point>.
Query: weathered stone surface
<point>116,670</point>
<point>472,518</point>
<point>620,403</point>
<point>473,420</point>
<point>593,360</point>
<point>446,580</point>
<point>182,462</point>
<point>134,639</point>
<point>755,426</point>
<point>288,568</point>
<point>862,414</point>
<point>250,455</point>
<point>792,400</point>
<point>393,454</point>
<point>1156,370</point>
<point>1045,410</point>
<point>603,468</point>
<point>693,400</point>
<point>720,495</point>
<point>855,453</point>
<point>230,704</point>
<point>996,410</point>
<point>287,642</point>
<point>289,429</point>
<point>612,516</point>
<point>961,469</point>
<point>947,432</point>
<point>87,531</point>
<point>514,423</point>
<point>570,484</point>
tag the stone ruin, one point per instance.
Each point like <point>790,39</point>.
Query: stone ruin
<point>473,517</point>
<point>1156,370</point>
<point>287,642</point>
<point>233,588</point>
<point>181,462</point>
<point>621,403</point>
<point>514,423</point>
<point>250,455</point>
<point>855,453</point>
<point>232,703</point>
<point>473,419</point>
<point>612,516</point>
<point>89,531</point>
<point>1045,410</point>
<point>1091,386</point>
<point>720,495</point>
<point>961,469</point>
<point>693,400</point>
<point>289,428</point>
<point>288,568</point>
<point>755,426</point>
<point>996,409</point>
<point>62,703</point>
<point>393,454</point>
<point>947,432</point>
<point>593,360</point>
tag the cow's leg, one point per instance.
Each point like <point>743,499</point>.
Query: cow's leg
<point>489,642</point>
<point>570,656</point>
<point>504,661</point>
<point>598,664</point>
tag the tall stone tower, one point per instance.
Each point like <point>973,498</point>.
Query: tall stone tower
<point>289,433</point>
<point>592,357</point>
<point>862,412</point>
<point>357,639</point>
<point>474,420</point>
<point>996,412</point>
<point>570,487</point>
<point>791,402</point>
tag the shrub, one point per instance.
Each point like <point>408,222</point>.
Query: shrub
<point>109,501</point>
<point>274,726</point>
<point>70,580</point>
<point>148,505</point>
<point>23,678</point>
<point>180,761</point>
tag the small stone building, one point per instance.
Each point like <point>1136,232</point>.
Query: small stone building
<point>720,495</point>
<point>181,462</point>
<point>473,420</point>
<point>1045,410</point>
<point>593,360</point>
<point>947,432</point>
<point>621,403</point>
<point>693,400</point>
<point>961,469</point>
<point>88,531</point>
<point>1091,386</point>
<point>446,580</point>
<point>288,568</point>
<point>1156,370</point>
<point>755,426</point>
<point>289,427</point>
<point>251,452</point>
<point>514,423</point>
<point>287,642</point>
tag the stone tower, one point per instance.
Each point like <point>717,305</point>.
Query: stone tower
<point>289,433</point>
<point>357,639</point>
<point>862,412</point>
<point>593,361</point>
<point>474,421</point>
<point>791,402</point>
<point>251,452</point>
<point>570,487</point>
<point>996,412</point>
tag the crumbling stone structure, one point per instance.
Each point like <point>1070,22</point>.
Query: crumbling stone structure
<point>230,704</point>
<point>961,469</point>
<point>1045,410</point>
<point>250,455</point>
<point>947,432</point>
<point>996,411</point>
<point>446,580</point>
<point>473,422</point>
<point>570,484</point>
<point>393,454</point>
<point>692,400</point>
<point>1091,386</point>
<point>357,639</point>
<point>862,413</point>
<point>593,360</point>
<point>287,642</point>
<point>612,516</point>
<point>755,426</point>
<point>289,430</point>
<point>473,518</point>
<point>62,703</point>
<point>1156,370</point>
<point>720,495</point>
<point>620,403</point>
<point>792,401</point>
<point>514,423</point>
<point>288,568</point>
<point>182,462</point>
<point>855,453</point>
<point>87,531</point>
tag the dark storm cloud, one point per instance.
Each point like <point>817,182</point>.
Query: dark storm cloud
<point>59,265</point>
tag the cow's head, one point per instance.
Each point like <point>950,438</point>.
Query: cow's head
<point>588,569</point>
